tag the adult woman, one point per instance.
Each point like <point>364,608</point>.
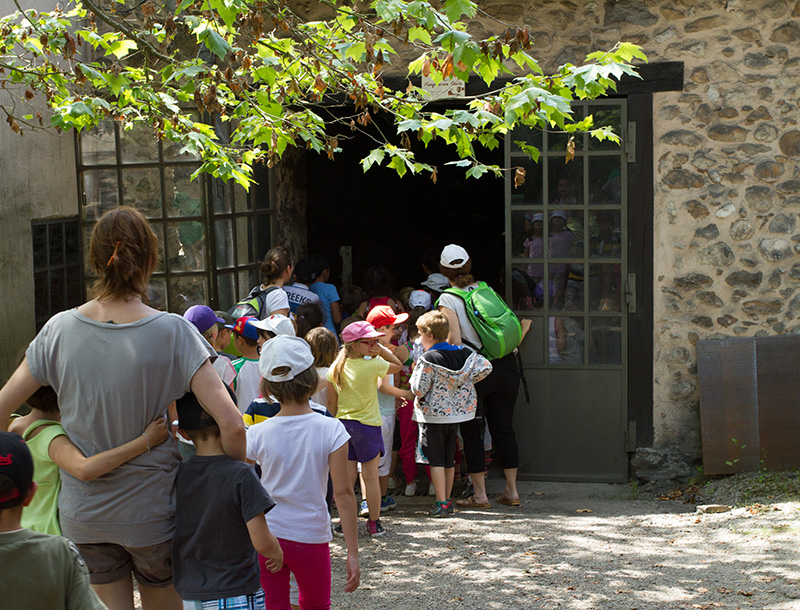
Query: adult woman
<point>497,393</point>
<point>116,363</point>
<point>268,298</point>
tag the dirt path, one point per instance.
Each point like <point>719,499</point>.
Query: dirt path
<point>627,553</point>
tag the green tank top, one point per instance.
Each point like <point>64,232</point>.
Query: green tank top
<point>41,515</point>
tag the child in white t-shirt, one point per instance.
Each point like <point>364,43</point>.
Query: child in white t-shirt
<point>297,449</point>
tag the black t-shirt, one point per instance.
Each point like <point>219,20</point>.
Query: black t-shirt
<point>212,556</point>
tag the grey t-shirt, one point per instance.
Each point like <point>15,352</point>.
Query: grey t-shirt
<point>212,555</point>
<point>112,380</point>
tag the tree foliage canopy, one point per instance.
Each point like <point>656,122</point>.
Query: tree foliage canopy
<point>275,76</point>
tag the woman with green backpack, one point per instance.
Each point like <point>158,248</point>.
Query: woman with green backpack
<point>480,320</point>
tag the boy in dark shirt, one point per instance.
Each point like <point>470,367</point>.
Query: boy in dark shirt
<point>219,521</point>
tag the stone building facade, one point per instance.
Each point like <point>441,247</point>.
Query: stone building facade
<point>726,177</point>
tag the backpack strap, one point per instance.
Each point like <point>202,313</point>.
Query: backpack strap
<point>460,292</point>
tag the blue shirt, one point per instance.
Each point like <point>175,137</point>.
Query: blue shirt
<point>327,294</point>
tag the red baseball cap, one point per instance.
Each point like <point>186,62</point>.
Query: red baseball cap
<point>383,315</point>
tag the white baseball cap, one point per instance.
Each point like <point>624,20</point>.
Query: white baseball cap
<point>284,358</point>
<point>276,323</point>
<point>453,257</point>
<point>420,298</point>
<point>436,281</point>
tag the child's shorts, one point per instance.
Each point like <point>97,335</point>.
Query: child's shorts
<point>109,562</point>
<point>437,444</point>
<point>366,442</point>
<point>387,432</point>
<point>254,601</point>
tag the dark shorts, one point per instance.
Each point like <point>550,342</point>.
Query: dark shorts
<point>437,444</point>
<point>366,442</point>
<point>107,563</point>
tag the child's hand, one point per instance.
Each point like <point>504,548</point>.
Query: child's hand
<point>274,562</point>
<point>157,431</point>
<point>374,350</point>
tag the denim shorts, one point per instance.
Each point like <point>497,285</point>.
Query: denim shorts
<point>366,442</point>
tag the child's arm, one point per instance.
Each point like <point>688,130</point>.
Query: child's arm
<point>265,543</point>
<point>421,379</point>
<point>336,313</point>
<point>394,363</point>
<point>346,505</point>
<point>70,459</point>
<point>391,390</point>
<point>333,399</point>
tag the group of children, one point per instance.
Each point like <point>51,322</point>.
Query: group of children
<point>320,410</point>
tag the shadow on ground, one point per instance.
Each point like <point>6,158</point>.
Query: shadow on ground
<point>578,546</point>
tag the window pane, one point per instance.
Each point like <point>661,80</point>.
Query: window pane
<point>242,204</point>
<point>605,286</point>
<point>565,337</point>
<point>138,145</point>
<point>527,287</point>
<point>242,242</point>
<point>74,294</point>
<point>39,246</point>
<point>605,242</point>
<point>226,292</point>
<point>157,293</point>
<point>87,263</point>
<point>605,180</point>
<point>100,192</point>
<point>261,189</point>
<point>158,229</point>
<point>184,196</point>
<point>247,281</point>
<point>605,335</point>
<point>185,291</point>
<point>58,295</point>
<point>574,291</point>
<point>529,193</point>
<point>606,116</point>
<point>71,236</point>
<point>98,145</point>
<point>263,237</point>
<point>55,238</point>
<point>220,200</point>
<point>566,182</point>
<point>141,189</point>
<point>223,235</point>
<point>186,246</point>
<point>526,226</point>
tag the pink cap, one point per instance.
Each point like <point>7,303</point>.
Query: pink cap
<point>359,330</point>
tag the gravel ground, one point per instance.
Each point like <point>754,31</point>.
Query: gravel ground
<point>581,546</point>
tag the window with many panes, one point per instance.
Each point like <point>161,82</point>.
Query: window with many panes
<point>56,267</point>
<point>211,234</point>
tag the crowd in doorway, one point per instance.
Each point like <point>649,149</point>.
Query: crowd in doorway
<point>204,454</point>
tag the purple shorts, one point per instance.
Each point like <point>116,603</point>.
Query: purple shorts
<point>366,442</point>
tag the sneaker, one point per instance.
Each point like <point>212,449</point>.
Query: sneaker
<point>439,510</point>
<point>411,489</point>
<point>394,482</point>
<point>450,506</point>
<point>431,491</point>
<point>337,530</point>
<point>388,503</point>
<point>375,528</point>
<point>364,509</point>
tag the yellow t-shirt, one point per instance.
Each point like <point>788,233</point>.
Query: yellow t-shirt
<point>358,398</point>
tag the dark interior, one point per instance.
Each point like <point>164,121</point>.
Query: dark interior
<point>391,221</point>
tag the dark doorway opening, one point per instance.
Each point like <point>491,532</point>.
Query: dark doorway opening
<point>391,221</point>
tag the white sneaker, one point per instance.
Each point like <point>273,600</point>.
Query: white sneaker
<point>431,491</point>
<point>411,489</point>
<point>394,482</point>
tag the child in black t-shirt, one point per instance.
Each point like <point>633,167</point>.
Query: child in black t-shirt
<point>219,520</point>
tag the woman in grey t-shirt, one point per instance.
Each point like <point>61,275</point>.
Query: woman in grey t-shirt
<point>116,364</point>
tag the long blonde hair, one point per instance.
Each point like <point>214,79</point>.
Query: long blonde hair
<point>348,350</point>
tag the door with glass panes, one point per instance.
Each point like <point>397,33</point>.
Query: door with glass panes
<point>566,244</point>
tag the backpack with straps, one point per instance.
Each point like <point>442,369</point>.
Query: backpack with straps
<point>253,304</point>
<point>497,326</point>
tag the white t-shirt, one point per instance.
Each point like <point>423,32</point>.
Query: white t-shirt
<point>275,300</point>
<point>247,383</point>
<point>321,397</point>
<point>225,370</point>
<point>456,303</point>
<point>299,294</point>
<point>293,452</point>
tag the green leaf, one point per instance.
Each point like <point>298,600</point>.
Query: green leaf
<point>399,165</point>
<point>121,48</point>
<point>417,33</point>
<point>375,156</point>
<point>215,43</point>
<point>454,9</point>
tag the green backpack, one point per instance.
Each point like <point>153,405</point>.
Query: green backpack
<point>495,323</point>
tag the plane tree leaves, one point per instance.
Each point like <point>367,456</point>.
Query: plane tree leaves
<point>280,80</point>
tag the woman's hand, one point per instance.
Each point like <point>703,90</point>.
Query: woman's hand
<point>157,431</point>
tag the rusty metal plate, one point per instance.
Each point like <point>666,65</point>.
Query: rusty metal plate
<point>779,401</point>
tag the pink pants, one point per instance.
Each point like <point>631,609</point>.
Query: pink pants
<point>408,441</point>
<point>311,566</point>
